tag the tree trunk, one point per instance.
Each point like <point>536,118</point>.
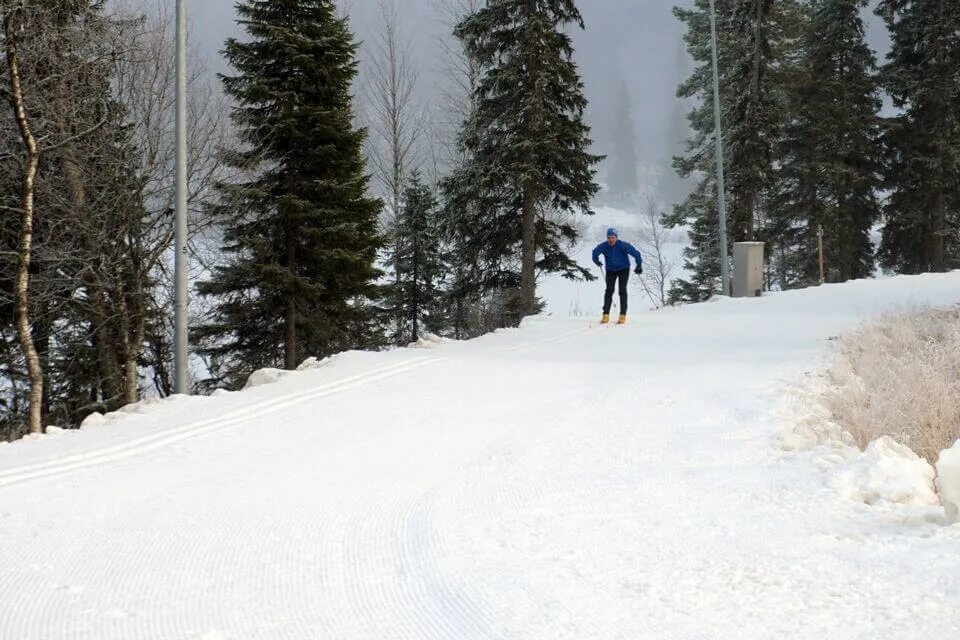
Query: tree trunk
<point>138,335</point>
<point>31,166</point>
<point>42,334</point>
<point>108,357</point>
<point>756,99</point>
<point>290,337</point>
<point>528,276</point>
<point>131,329</point>
<point>415,303</point>
<point>937,239</point>
<point>160,356</point>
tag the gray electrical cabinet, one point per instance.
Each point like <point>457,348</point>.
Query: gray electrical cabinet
<point>747,269</point>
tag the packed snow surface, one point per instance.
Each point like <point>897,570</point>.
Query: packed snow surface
<point>559,481</point>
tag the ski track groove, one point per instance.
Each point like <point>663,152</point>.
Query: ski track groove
<point>415,537</point>
<point>33,606</point>
<point>366,543</point>
<point>392,542</point>
<point>423,596</point>
<point>421,543</point>
<point>166,437</point>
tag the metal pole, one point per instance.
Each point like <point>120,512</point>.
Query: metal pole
<point>181,259</point>
<point>721,188</point>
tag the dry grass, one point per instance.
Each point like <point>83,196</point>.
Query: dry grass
<point>900,376</point>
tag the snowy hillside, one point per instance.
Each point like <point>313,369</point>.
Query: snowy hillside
<point>562,480</point>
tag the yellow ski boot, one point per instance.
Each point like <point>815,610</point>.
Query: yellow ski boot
<point>623,319</point>
<point>605,319</point>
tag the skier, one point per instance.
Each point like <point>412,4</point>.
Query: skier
<point>616,256</point>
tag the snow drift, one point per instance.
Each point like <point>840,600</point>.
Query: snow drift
<point>948,481</point>
<point>887,472</point>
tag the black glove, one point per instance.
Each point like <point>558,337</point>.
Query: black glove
<point>639,270</point>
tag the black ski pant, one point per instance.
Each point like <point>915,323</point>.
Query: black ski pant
<point>616,278</point>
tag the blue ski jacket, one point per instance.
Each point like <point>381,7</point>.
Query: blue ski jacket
<point>616,257</point>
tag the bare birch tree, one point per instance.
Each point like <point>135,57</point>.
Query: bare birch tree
<point>13,26</point>
<point>97,96</point>
<point>658,266</point>
<point>391,99</point>
<point>395,123</point>
<point>459,73</point>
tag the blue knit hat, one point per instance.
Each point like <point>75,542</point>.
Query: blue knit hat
<point>612,231</point>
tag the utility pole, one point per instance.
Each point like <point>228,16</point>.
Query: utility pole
<point>181,259</point>
<point>721,188</point>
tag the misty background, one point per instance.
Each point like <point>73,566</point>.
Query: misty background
<point>631,44</point>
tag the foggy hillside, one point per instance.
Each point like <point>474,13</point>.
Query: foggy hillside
<point>627,43</point>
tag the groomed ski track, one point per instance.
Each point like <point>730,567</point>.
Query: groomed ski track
<point>563,480</point>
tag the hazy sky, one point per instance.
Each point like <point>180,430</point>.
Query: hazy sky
<point>636,42</point>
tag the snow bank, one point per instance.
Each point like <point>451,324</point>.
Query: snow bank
<point>261,377</point>
<point>808,435</point>
<point>531,321</point>
<point>143,407</point>
<point>312,363</point>
<point>887,472</point>
<point>948,481</point>
<point>808,421</point>
<point>429,341</point>
<point>147,405</point>
<point>95,419</point>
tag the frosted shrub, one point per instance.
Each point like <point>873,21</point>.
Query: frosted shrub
<point>900,377</point>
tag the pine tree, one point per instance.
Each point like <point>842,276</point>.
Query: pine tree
<point>829,174</point>
<point>623,161</point>
<point>301,232</point>
<point>528,171</point>
<point>923,174</point>
<point>755,37</point>
<point>419,259</point>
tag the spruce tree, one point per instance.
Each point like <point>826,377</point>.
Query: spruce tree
<point>923,174</point>
<point>301,231</point>
<point>419,260</point>
<point>528,171</point>
<point>829,174</point>
<point>755,37</point>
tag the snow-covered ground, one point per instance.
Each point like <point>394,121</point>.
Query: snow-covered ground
<point>562,480</point>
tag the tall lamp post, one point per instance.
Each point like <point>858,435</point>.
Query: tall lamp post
<point>721,188</point>
<point>181,259</point>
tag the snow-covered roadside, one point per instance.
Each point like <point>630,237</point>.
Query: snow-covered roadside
<point>558,481</point>
<point>891,389</point>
